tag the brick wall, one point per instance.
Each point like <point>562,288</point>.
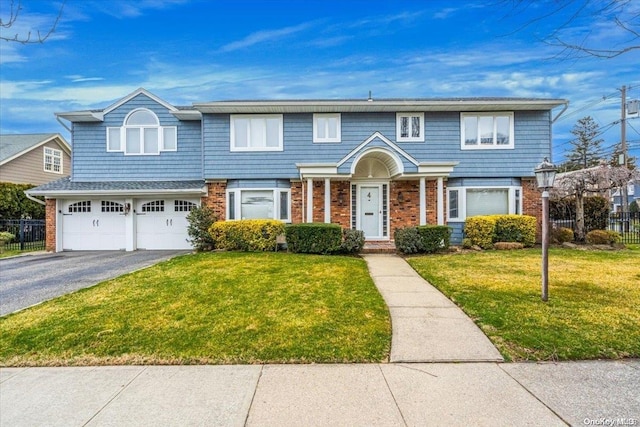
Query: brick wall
<point>297,190</point>
<point>341,203</point>
<point>532,203</point>
<point>216,199</point>
<point>403,212</point>
<point>50,225</point>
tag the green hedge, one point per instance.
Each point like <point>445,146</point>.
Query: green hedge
<point>603,237</point>
<point>314,238</point>
<point>422,239</point>
<point>485,230</point>
<point>251,235</point>
<point>14,203</point>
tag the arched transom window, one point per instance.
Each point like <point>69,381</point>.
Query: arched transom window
<point>141,134</point>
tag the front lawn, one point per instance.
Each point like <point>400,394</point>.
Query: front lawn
<point>593,309</point>
<point>210,308</point>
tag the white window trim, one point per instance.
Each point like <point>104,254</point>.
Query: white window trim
<point>232,132</point>
<point>122,131</point>
<point>462,199</point>
<point>276,202</point>
<point>338,137</point>
<point>410,138</point>
<point>54,153</point>
<point>493,146</point>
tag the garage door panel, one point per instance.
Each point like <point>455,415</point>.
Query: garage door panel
<point>93,225</point>
<point>162,224</point>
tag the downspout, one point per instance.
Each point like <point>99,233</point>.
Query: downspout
<point>63,125</point>
<point>30,197</point>
<point>566,105</point>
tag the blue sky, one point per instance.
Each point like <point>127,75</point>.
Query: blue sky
<point>189,51</point>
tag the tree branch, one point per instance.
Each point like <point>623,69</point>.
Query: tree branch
<point>14,13</point>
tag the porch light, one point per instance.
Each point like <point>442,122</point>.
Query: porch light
<point>545,175</point>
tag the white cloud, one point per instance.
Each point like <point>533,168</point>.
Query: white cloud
<point>265,36</point>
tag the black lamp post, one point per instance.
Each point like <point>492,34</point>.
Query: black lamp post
<point>545,175</point>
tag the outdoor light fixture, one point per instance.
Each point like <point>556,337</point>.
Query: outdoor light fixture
<point>545,175</point>
<point>400,197</point>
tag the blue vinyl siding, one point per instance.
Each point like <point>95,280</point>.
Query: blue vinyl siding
<point>532,132</point>
<point>92,162</point>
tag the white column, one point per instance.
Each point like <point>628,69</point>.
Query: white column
<point>309,199</point>
<point>423,202</point>
<point>327,200</point>
<point>130,227</point>
<point>440,202</point>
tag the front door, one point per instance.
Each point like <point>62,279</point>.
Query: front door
<point>370,211</point>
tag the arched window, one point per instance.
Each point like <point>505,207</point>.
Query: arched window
<point>141,134</point>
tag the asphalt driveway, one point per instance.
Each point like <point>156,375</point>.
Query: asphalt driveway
<point>32,279</point>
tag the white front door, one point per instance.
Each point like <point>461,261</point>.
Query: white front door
<point>370,211</point>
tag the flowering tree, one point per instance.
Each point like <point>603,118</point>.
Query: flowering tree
<point>591,181</point>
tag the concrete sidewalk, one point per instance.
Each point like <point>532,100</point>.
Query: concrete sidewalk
<point>323,395</point>
<point>426,325</point>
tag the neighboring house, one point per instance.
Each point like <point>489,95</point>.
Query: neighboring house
<point>141,164</point>
<point>34,158</point>
<point>633,194</point>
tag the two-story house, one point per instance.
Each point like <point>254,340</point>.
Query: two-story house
<point>141,164</point>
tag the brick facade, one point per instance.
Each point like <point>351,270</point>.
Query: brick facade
<point>532,203</point>
<point>216,199</point>
<point>50,225</point>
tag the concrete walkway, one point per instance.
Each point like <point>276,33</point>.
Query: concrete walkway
<point>478,394</point>
<point>426,325</point>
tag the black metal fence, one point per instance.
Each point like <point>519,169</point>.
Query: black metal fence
<point>627,224</point>
<point>29,234</point>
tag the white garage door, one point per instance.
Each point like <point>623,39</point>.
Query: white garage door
<point>93,225</point>
<point>162,223</point>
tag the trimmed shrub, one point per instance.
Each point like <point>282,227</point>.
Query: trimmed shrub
<point>507,246</point>
<point>562,235</point>
<point>408,241</point>
<point>603,237</point>
<point>251,235</point>
<point>434,237</point>
<point>200,221</point>
<point>466,243</point>
<point>314,238</point>
<point>479,230</point>
<point>633,206</point>
<point>352,241</point>
<point>5,237</point>
<point>515,228</point>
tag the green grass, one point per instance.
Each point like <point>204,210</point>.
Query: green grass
<point>210,308</point>
<point>593,308</point>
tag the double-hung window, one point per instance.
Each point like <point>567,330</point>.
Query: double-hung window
<point>464,202</point>
<point>256,132</point>
<point>141,134</point>
<point>410,127</point>
<point>259,204</point>
<point>326,128</point>
<point>52,160</point>
<point>486,130</point>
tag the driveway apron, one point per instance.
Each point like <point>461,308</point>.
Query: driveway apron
<point>426,325</point>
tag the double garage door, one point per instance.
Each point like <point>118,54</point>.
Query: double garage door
<point>102,224</point>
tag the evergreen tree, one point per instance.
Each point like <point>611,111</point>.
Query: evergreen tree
<point>587,150</point>
<point>615,158</point>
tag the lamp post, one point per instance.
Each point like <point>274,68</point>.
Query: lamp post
<point>545,175</point>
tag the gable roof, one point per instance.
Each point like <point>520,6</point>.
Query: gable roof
<point>15,145</point>
<point>182,113</point>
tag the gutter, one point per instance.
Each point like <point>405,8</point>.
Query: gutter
<point>30,197</point>
<point>566,105</point>
<point>63,124</point>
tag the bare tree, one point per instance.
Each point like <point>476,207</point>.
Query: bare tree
<point>622,17</point>
<point>14,14</point>
<point>598,180</point>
